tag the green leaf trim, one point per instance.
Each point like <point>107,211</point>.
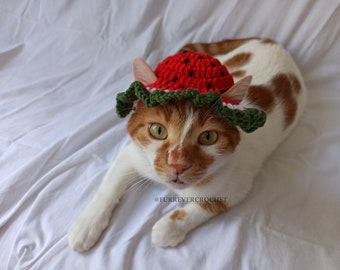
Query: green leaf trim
<point>248,119</point>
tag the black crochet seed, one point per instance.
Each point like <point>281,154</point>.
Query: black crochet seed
<point>191,73</point>
<point>213,64</point>
<point>181,86</point>
<point>200,57</point>
<point>174,79</point>
<point>222,73</point>
<point>208,85</point>
<point>185,51</point>
<point>186,60</point>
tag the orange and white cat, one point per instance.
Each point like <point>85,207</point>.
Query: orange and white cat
<point>195,152</point>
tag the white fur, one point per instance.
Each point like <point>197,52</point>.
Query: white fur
<point>233,175</point>
<point>187,125</point>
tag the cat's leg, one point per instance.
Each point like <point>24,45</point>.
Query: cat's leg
<point>172,228</point>
<point>90,225</point>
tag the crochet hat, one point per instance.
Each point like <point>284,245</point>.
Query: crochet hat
<point>193,76</point>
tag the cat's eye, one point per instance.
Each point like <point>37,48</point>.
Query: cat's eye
<point>208,137</point>
<point>158,131</point>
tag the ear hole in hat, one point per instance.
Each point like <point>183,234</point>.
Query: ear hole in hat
<point>142,72</point>
<point>238,91</point>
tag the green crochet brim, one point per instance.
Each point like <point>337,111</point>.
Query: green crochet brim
<point>248,119</point>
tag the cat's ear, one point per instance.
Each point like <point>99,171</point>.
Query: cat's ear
<point>238,91</point>
<point>142,72</point>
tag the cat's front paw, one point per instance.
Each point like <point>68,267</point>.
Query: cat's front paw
<point>87,229</point>
<point>167,232</point>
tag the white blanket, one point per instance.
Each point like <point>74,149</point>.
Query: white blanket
<point>62,64</point>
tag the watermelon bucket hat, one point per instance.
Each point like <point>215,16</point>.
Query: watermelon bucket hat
<point>193,76</point>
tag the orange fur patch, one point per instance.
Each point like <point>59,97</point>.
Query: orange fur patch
<point>222,47</point>
<point>262,97</point>
<point>214,207</point>
<point>136,127</point>
<point>287,86</point>
<point>296,84</point>
<point>238,60</point>
<point>217,48</point>
<point>268,41</point>
<point>238,73</point>
<point>178,215</point>
<point>283,89</point>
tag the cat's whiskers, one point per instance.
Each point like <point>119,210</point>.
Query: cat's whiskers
<point>141,182</point>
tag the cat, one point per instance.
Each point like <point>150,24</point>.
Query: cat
<point>195,152</point>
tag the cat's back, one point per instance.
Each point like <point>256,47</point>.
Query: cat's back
<point>261,58</point>
<point>277,85</point>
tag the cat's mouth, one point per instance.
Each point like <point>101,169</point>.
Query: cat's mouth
<point>178,183</point>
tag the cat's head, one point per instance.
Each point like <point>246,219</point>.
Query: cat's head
<point>184,144</point>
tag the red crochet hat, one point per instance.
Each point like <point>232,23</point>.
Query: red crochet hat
<point>192,70</point>
<point>193,76</point>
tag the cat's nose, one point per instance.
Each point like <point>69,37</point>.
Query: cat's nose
<point>179,167</point>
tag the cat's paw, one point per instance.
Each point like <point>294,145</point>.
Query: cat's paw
<point>167,232</point>
<point>87,229</point>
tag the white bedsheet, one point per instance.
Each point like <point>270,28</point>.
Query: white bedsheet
<point>61,65</point>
